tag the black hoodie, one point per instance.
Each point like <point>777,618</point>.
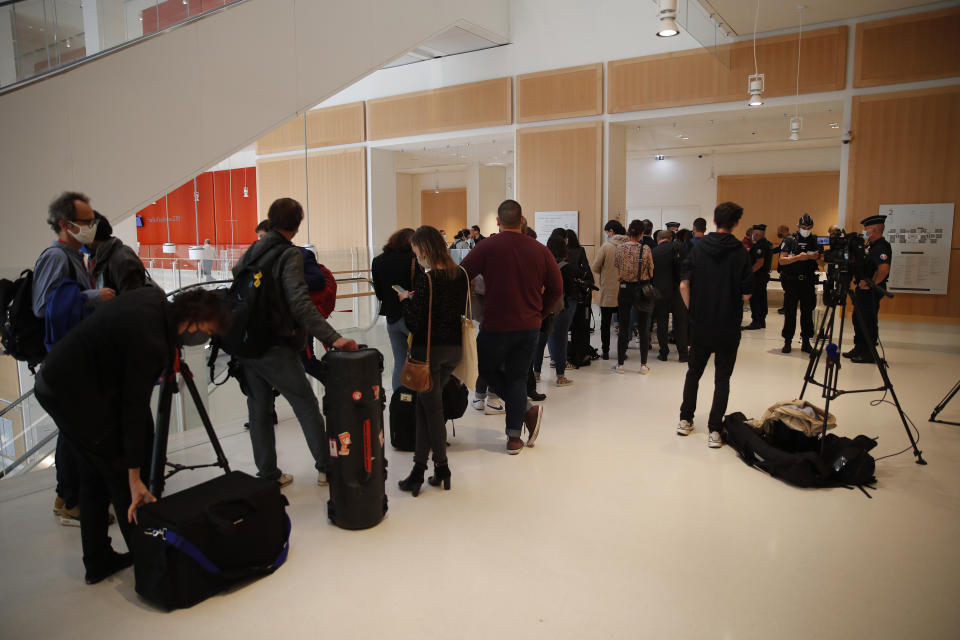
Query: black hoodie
<point>718,268</point>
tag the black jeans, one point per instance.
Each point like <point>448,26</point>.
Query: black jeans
<point>803,292</point>
<point>68,484</point>
<point>758,301</point>
<point>431,426</point>
<point>580,334</point>
<point>504,360</point>
<point>724,359</point>
<point>625,298</point>
<point>606,319</point>
<point>866,307</point>
<point>661,313</point>
<point>681,324</point>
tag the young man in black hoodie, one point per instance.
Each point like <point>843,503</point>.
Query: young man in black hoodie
<point>715,280</point>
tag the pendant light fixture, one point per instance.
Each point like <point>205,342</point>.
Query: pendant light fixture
<point>755,81</point>
<point>667,15</point>
<point>246,192</point>
<point>796,122</point>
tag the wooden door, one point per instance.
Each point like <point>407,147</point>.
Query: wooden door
<point>444,209</point>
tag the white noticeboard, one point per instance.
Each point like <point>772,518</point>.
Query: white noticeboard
<point>921,236</point>
<point>546,221</point>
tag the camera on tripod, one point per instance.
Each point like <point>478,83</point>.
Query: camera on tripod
<point>846,259</point>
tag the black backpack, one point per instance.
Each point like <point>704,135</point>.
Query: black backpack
<point>253,299</point>
<point>21,332</point>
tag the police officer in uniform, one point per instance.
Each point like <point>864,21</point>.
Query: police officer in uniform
<point>799,254</point>
<point>866,301</point>
<point>761,256</point>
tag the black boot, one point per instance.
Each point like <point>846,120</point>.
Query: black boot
<point>786,347</point>
<point>753,326</point>
<point>805,347</point>
<point>441,473</point>
<point>413,481</point>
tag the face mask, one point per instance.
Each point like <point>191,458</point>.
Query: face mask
<point>86,235</point>
<point>194,338</point>
<point>780,236</point>
<point>866,236</point>
<point>805,233</point>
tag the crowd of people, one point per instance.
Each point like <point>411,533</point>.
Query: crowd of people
<point>106,356</point>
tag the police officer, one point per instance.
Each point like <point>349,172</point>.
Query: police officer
<point>761,255</point>
<point>799,253</point>
<point>866,300</point>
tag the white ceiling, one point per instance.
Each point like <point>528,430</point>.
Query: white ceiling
<point>736,130</point>
<point>454,40</point>
<point>454,154</point>
<point>783,14</point>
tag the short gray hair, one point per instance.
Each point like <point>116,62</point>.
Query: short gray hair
<point>64,208</point>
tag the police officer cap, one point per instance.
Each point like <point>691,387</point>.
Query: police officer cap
<point>869,220</point>
<point>761,227</point>
<point>673,225</point>
<point>806,220</point>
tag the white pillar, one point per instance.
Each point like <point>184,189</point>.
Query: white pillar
<point>8,55</point>
<point>473,194</point>
<point>383,197</point>
<point>91,26</point>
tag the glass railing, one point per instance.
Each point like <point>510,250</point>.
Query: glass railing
<point>27,436</point>
<point>38,37</point>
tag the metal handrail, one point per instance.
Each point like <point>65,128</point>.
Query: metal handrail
<point>16,402</point>
<point>33,450</point>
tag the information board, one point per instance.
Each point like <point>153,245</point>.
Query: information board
<point>546,221</point>
<point>921,236</point>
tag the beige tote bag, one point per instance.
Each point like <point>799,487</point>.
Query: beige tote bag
<point>468,368</point>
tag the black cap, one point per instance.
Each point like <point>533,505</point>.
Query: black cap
<point>675,225</point>
<point>876,219</point>
<point>761,227</point>
<point>805,220</point>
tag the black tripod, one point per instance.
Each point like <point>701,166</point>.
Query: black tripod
<point>834,298</point>
<point>159,463</point>
<point>943,405</point>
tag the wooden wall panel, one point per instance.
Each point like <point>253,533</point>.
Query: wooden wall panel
<point>906,149</point>
<point>781,198</point>
<point>286,137</point>
<point>338,199</point>
<point>696,77</point>
<point>560,168</point>
<point>922,46</point>
<point>280,178</point>
<point>466,106</point>
<point>560,93</point>
<point>446,209</point>
<point>344,124</point>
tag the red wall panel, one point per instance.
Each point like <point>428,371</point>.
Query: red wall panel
<point>237,216</point>
<point>171,12</point>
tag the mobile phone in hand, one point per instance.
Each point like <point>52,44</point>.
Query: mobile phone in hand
<point>400,290</point>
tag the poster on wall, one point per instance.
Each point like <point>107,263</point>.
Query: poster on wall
<point>921,236</point>
<point>546,221</point>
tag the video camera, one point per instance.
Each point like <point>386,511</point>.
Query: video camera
<point>848,249</point>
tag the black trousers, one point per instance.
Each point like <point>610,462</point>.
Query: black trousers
<point>866,307</point>
<point>681,323</point>
<point>606,319</point>
<point>758,301</point>
<point>724,359</point>
<point>804,293</point>
<point>661,315</point>
<point>626,297</point>
<point>68,485</point>
<point>580,334</point>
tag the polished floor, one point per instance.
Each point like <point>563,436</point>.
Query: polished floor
<point>611,527</point>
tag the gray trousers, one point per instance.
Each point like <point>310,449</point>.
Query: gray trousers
<point>280,368</point>
<point>431,426</point>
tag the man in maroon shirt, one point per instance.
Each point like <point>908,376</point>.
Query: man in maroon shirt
<point>522,281</point>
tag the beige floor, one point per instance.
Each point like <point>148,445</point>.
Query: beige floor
<point>611,527</point>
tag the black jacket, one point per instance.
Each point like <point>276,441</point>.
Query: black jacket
<point>449,302</point>
<point>117,266</point>
<point>388,269</point>
<point>103,372</point>
<point>718,269</point>
<point>666,269</point>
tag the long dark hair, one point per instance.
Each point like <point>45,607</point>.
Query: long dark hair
<point>557,243</point>
<point>431,246</point>
<point>399,241</point>
<point>573,242</point>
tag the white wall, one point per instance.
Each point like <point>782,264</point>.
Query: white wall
<point>382,181</point>
<point>127,127</point>
<point>683,181</point>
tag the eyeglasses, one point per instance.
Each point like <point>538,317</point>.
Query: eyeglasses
<point>91,223</point>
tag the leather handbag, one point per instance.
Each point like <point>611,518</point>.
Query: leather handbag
<point>415,375</point>
<point>645,296</point>
<point>468,368</point>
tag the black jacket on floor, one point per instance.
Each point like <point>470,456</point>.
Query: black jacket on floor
<point>103,373</point>
<point>718,268</point>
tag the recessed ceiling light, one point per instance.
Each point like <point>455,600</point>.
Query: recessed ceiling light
<point>684,138</point>
<point>834,125</point>
<point>659,156</point>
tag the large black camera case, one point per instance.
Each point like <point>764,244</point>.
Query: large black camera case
<point>196,543</point>
<point>353,404</point>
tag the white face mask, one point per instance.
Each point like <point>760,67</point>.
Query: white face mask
<point>805,233</point>
<point>86,235</point>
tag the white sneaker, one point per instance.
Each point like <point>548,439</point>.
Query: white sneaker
<point>321,479</point>
<point>284,480</point>
<point>494,406</point>
<point>617,368</point>
<point>714,441</point>
<point>644,370</point>
<point>685,428</point>
<point>479,403</point>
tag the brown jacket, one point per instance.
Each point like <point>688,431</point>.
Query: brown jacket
<point>607,275</point>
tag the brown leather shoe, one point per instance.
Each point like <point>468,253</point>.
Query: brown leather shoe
<point>532,422</point>
<point>514,446</point>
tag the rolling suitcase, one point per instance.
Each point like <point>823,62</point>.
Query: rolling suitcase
<point>353,404</point>
<point>196,543</point>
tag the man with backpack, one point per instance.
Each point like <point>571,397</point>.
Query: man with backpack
<point>275,263</point>
<point>114,264</point>
<point>60,270</point>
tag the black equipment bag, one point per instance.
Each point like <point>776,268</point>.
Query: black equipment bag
<point>21,332</point>
<point>403,412</point>
<point>253,298</point>
<point>353,404</point>
<point>200,541</point>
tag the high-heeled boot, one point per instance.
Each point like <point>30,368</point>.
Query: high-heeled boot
<point>413,481</point>
<point>441,473</point>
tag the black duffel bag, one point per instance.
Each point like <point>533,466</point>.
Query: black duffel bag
<point>196,543</point>
<point>403,412</point>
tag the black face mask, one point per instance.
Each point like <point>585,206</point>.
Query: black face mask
<point>194,338</point>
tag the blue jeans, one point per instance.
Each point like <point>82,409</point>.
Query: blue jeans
<point>397,332</point>
<point>504,362</point>
<point>557,342</point>
<point>280,368</point>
